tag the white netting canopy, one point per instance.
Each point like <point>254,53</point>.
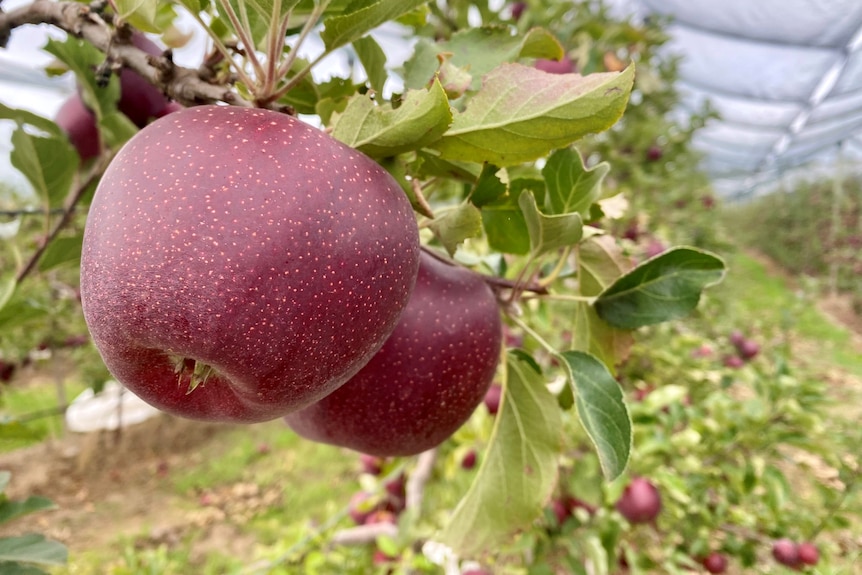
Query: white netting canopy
<point>784,75</point>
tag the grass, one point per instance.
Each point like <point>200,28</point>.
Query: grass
<point>752,295</point>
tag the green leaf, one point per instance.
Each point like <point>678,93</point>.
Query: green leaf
<point>478,51</point>
<point>601,409</point>
<point>662,288</point>
<point>20,569</point>
<point>594,335</point>
<point>49,164</point>
<point>13,429</point>
<point>116,129</point>
<point>33,548</point>
<point>456,225</point>
<point>600,262</point>
<point>82,58</point>
<point>362,16</point>
<point>12,509</point>
<point>489,188</point>
<point>373,59</point>
<point>30,119</point>
<point>139,13</point>
<point>571,186</point>
<point>519,471</point>
<point>504,221</point>
<point>60,251</point>
<point>381,131</point>
<point>520,114</point>
<point>268,9</point>
<point>549,233</point>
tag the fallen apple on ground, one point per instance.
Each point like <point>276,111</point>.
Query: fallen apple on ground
<point>239,264</point>
<point>427,378</point>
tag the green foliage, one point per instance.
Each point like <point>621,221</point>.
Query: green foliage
<point>25,554</point>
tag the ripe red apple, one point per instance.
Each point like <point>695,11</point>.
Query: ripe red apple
<point>371,464</point>
<point>808,553</point>
<point>749,349</point>
<point>469,460</point>
<point>715,562</point>
<point>736,338</point>
<point>427,378</point>
<point>492,398</point>
<point>239,264</point>
<point>640,501</point>
<point>79,123</point>
<point>786,552</point>
<point>140,100</point>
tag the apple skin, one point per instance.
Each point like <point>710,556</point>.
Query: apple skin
<point>249,242</point>
<point>140,100</point>
<point>715,563</point>
<point>808,553</point>
<point>786,552</point>
<point>79,124</point>
<point>640,501</point>
<point>428,377</point>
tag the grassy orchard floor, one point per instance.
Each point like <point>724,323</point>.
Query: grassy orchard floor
<point>172,496</point>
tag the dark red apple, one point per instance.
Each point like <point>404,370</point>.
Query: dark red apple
<point>79,123</point>
<point>7,370</point>
<point>715,562</point>
<point>640,501</point>
<point>469,460</point>
<point>808,553</point>
<point>492,398</point>
<point>140,100</point>
<point>786,552</point>
<point>517,10</point>
<point>749,349</point>
<point>371,464</point>
<point>239,264</point>
<point>426,380</point>
<point>564,66</point>
<point>654,153</point>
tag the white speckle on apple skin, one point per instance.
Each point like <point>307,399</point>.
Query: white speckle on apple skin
<point>251,242</point>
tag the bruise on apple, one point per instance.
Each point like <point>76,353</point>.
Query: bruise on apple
<point>247,247</point>
<point>428,377</point>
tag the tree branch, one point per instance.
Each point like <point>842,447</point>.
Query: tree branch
<point>184,85</point>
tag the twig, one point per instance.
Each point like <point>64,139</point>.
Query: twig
<point>417,480</point>
<point>363,534</point>
<point>181,84</point>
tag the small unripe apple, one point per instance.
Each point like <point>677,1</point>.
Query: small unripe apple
<point>239,264</point>
<point>492,398</point>
<point>428,377</point>
<point>786,552</point>
<point>808,553</point>
<point>640,501</point>
<point>715,562</point>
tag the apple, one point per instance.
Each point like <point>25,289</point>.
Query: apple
<point>140,100</point>
<point>564,66</point>
<point>361,507</point>
<point>428,377</point>
<point>492,398</point>
<point>239,264</point>
<point>517,9</point>
<point>469,460</point>
<point>786,552</point>
<point>640,501</point>
<point>749,349</point>
<point>371,464</point>
<point>7,370</point>
<point>79,124</point>
<point>808,553</point>
<point>715,563</point>
<point>573,503</point>
<point>734,362</point>
<point>654,153</point>
<point>736,338</point>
